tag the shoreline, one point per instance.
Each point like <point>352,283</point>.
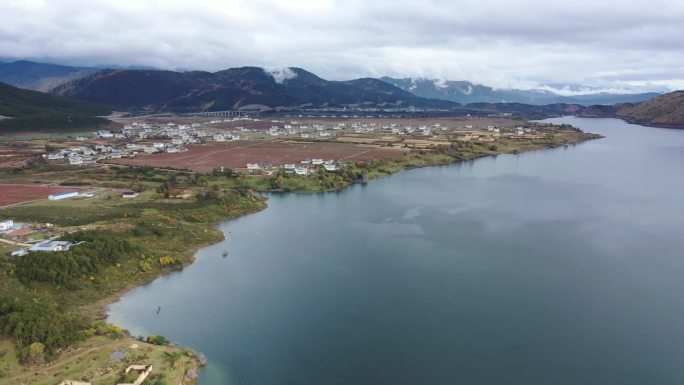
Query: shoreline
<point>673,126</point>
<point>116,297</point>
<point>105,303</point>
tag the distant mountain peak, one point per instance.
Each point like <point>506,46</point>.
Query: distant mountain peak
<point>40,76</point>
<point>467,92</point>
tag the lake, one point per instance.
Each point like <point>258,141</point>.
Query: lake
<point>561,266</point>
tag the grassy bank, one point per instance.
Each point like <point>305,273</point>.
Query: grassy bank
<point>102,360</point>
<point>367,170</point>
<point>50,305</point>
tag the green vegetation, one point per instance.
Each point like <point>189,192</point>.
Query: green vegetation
<point>18,102</point>
<point>39,328</point>
<point>65,268</point>
<point>362,171</point>
<point>91,360</point>
<point>158,340</point>
<point>50,302</point>
<point>32,110</point>
<point>48,122</point>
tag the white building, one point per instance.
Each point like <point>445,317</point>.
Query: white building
<point>6,225</point>
<point>130,194</point>
<point>19,253</point>
<point>253,166</point>
<point>50,245</point>
<point>116,154</point>
<point>103,148</point>
<point>75,160</point>
<point>56,155</point>
<point>64,195</point>
<point>301,170</point>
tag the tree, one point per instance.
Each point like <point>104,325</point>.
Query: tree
<point>164,189</point>
<point>158,340</point>
<point>99,249</point>
<point>275,182</point>
<point>241,186</point>
<point>46,323</point>
<point>34,353</point>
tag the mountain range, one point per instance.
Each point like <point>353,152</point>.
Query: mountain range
<point>149,90</point>
<point>40,76</point>
<point>46,77</point>
<point>465,92</point>
<point>235,88</point>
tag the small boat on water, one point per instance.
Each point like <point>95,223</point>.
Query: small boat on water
<point>158,309</point>
<point>225,253</point>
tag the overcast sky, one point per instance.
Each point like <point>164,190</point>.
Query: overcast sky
<point>523,43</point>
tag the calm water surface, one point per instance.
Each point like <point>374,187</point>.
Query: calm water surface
<point>552,267</point>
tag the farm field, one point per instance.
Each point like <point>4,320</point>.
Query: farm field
<point>17,154</point>
<point>204,158</point>
<point>17,193</point>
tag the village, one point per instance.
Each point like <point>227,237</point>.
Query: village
<point>142,138</point>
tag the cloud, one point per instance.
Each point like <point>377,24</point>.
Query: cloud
<point>608,43</point>
<point>440,83</point>
<point>281,74</point>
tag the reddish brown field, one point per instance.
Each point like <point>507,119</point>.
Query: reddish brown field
<point>17,154</point>
<point>17,193</point>
<point>203,158</point>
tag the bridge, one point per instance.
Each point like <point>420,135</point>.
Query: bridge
<point>225,113</point>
